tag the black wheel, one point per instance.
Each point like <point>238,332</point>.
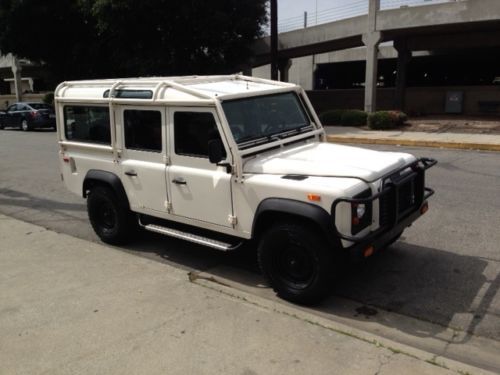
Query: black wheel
<point>111,219</point>
<point>25,126</point>
<point>297,262</point>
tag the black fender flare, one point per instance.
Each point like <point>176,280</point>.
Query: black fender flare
<point>94,176</point>
<point>303,210</point>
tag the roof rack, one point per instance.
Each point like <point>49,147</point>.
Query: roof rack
<point>178,83</point>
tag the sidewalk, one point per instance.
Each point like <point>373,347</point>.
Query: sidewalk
<point>346,134</point>
<point>72,306</point>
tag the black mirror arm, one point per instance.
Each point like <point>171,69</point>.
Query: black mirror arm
<point>229,167</point>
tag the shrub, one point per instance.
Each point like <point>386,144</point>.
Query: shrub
<point>48,98</point>
<point>345,117</point>
<point>386,119</point>
<point>332,117</point>
<point>354,118</point>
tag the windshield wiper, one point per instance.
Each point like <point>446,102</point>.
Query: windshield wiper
<point>295,131</point>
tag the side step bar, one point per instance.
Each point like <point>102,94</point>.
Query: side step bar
<point>200,240</point>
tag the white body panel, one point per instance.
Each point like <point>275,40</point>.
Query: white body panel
<point>328,160</point>
<point>204,194</point>
<point>143,173</point>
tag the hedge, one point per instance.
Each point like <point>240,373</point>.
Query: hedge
<point>332,117</point>
<point>353,118</point>
<point>386,119</point>
<point>345,117</point>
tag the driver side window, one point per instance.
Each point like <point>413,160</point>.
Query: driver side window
<point>193,131</point>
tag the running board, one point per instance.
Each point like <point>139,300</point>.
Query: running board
<point>200,240</point>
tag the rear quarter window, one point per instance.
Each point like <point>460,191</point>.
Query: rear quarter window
<point>87,124</point>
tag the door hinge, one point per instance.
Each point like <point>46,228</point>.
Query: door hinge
<point>166,160</point>
<point>168,206</point>
<point>233,220</point>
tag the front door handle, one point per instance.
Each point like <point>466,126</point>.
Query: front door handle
<point>131,172</point>
<point>179,181</point>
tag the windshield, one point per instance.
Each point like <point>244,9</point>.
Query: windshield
<point>265,118</point>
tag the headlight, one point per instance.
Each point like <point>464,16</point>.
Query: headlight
<point>361,210</point>
<point>361,213</point>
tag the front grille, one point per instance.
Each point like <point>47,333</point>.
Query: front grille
<point>385,215</point>
<point>402,194</point>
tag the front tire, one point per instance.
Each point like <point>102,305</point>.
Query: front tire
<point>111,219</point>
<point>297,262</point>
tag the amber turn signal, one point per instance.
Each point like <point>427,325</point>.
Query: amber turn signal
<point>368,251</point>
<point>424,208</point>
<point>314,197</point>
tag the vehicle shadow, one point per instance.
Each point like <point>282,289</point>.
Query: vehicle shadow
<point>428,284</point>
<point>20,199</point>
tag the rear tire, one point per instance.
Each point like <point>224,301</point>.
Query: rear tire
<point>111,219</point>
<point>25,126</point>
<point>297,262</point>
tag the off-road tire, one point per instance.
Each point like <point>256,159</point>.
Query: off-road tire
<point>111,219</point>
<point>297,262</point>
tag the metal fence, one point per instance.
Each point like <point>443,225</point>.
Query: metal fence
<point>353,9</point>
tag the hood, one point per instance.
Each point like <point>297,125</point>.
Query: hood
<point>327,159</point>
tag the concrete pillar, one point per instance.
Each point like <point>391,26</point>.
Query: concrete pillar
<point>404,57</point>
<point>16,70</point>
<point>284,68</point>
<point>371,41</point>
<point>373,8</point>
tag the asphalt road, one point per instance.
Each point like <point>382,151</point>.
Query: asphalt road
<point>442,276</point>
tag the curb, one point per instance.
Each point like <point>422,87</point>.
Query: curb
<point>224,287</point>
<point>414,143</point>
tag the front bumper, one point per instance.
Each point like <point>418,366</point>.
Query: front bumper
<point>379,240</point>
<point>402,199</point>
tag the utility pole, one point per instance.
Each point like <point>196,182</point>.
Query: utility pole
<point>274,40</point>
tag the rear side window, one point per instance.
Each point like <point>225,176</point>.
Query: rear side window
<point>193,131</point>
<point>142,130</point>
<point>87,124</point>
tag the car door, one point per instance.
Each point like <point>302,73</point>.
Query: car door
<point>12,116</point>
<point>143,156</point>
<point>199,189</point>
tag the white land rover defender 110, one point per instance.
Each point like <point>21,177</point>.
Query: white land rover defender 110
<point>221,160</point>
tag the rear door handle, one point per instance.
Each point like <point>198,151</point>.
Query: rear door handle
<point>131,173</point>
<point>179,181</point>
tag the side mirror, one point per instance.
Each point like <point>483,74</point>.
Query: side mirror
<point>215,151</point>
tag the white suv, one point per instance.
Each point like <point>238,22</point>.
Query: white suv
<point>221,160</point>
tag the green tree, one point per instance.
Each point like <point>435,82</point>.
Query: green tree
<point>111,38</point>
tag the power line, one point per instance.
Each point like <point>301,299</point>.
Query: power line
<point>353,9</point>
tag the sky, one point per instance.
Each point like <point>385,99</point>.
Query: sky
<point>292,8</point>
<point>291,12</point>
